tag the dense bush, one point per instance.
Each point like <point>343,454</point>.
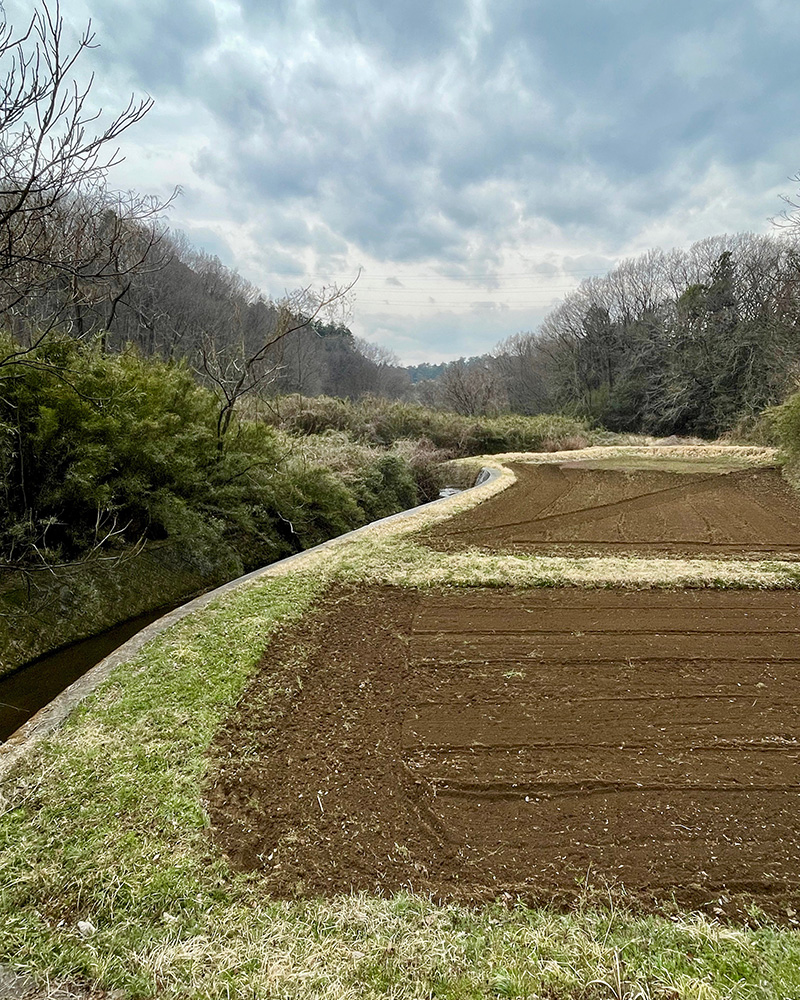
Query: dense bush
<point>91,441</point>
<point>386,487</point>
<point>95,445</point>
<point>383,422</point>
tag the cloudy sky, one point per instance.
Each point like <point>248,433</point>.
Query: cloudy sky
<point>475,158</point>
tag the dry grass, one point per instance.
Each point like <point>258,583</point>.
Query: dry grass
<point>736,456</point>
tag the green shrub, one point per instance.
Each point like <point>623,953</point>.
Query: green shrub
<point>426,463</point>
<point>385,487</point>
<point>92,443</point>
<point>785,422</point>
<point>95,443</point>
<point>755,429</point>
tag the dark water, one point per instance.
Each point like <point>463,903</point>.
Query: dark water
<point>24,692</point>
<point>27,690</point>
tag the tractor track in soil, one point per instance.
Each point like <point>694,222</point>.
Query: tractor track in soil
<point>567,510</point>
<point>477,743</point>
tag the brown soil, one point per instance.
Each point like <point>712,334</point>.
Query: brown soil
<point>477,743</point>
<point>569,510</point>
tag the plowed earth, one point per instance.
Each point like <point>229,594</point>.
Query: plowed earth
<point>569,510</point>
<point>475,743</point>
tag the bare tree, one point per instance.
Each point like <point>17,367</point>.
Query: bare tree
<point>300,364</point>
<point>376,353</point>
<point>166,308</point>
<point>388,378</point>
<point>235,368</point>
<point>521,364</point>
<point>66,241</point>
<point>470,388</point>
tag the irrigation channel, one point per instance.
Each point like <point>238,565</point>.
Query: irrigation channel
<point>27,690</point>
<point>32,687</point>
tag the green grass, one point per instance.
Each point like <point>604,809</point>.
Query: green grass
<point>104,823</point>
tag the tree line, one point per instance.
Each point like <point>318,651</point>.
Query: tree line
<point>685,342</point>
<point>689,341</point>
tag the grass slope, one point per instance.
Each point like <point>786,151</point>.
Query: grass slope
<point>108,880</point>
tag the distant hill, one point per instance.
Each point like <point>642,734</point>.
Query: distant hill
<point>421,373</point>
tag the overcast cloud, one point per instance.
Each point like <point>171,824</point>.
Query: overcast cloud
<point>476,158</point>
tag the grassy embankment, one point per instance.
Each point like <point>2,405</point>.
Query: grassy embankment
<point>104,823</point>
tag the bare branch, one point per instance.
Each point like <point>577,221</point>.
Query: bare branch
<point>238,369</point>
<point>65,240</point>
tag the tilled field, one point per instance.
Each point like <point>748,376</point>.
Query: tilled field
<point>476,743</point>
<point>572,510</point>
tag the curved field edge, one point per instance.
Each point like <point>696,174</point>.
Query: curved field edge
<point>393,556</point>
<point>104,824</point>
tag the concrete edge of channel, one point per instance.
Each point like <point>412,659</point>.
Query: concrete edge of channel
<point>55,713</point>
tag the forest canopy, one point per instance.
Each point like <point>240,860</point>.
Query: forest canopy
<point>680,342</point>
